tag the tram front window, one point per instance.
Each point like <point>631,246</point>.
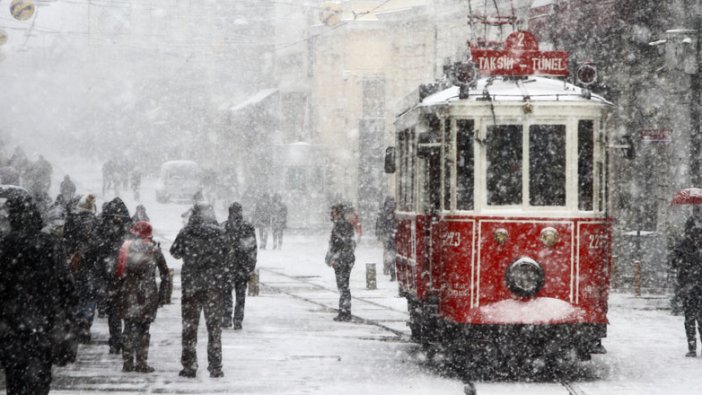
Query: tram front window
<point>504,167</point>
<point>464,172</point>
<point>547,157</point>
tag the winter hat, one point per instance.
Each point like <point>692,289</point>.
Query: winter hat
<point>87,203</point>
<point>141,229</point>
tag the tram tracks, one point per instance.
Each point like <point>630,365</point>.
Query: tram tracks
<point>570,387</point>
<point>400,335</point>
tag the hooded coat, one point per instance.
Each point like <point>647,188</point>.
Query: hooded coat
<point>138,296</point>
<point>39,300</point>
<point>112,230</point>
<point>241,242</point>
<point>202,247</point>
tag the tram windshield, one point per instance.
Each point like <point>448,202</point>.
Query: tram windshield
<point>504,165</point>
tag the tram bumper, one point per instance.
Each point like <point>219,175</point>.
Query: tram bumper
<point>539,326</point>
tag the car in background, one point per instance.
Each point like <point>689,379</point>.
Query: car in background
<point>179,181</point>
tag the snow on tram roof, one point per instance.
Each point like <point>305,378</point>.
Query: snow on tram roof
<point>517,90</point>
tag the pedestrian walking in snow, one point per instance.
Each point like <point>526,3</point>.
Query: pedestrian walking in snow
<point>279,220</point>
<point>112,230</point>
<point>79,239</point>
<point>135,181</point>
<point>687,259</point>
<point>137,297</point>
<point>262,219</point>
<point>340,256</point>
<point>38,301</point>
<point>140,214</point>
<point>201,245</point>
<point>385,232</point>
<point>240,262</point>
<point>67,188</point>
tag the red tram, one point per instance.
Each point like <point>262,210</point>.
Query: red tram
<point>503,234</point>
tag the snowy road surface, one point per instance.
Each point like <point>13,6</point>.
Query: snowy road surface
<point>290,345</point>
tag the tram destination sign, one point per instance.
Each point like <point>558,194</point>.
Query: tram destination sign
<point>520,56</point>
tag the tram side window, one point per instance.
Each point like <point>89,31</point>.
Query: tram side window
<point>464,168</point>
<point>547,160</point>
<point>406,171</point>
<point>504,168</point>
<point>586,149</point>
<point>448,165</point>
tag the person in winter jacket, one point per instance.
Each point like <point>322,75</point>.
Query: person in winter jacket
<point>79,240</point>
<point>240,262</point>
<point>687,259</point>
<point>112,230</point>
<point>340,256</point>
<point>201,245</point>
<point>138,297</point>
<point>279,220</point>
<point>37,301</point>
<point>385,232</point>
<point>262,218</point>
<point>140,214</point>
<point>67,188</point>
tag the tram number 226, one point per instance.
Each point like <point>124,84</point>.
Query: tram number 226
<point>597,241</point>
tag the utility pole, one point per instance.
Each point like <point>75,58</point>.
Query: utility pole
<point>695,137</point>
<point>695,104</point>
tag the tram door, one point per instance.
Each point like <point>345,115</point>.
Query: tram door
<point>429,192</point>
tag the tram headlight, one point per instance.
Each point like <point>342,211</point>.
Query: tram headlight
<point>500,235</point>
<point>524,277</point>
<point>549,236</point>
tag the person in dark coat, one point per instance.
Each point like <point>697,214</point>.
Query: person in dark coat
<point>240,261</point>
<point>688,262</point>
<point>201,245</point>
<point>340,256</point>
<point>112,230</point>
<point>385,232</point>
<point>140,214</point>
<point>279,220</point>
<point>138,297</point>
<point>37,301</point>
<point>262,218</point>
<point>67,188</point>
<point>79,240</point>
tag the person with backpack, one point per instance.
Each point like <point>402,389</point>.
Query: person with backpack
<point>138,297</point>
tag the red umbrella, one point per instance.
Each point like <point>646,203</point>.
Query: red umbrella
<point>688,196</point>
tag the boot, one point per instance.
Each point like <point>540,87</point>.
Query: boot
<point>691,349</point>
<point>128,355</point>
<point>226,322</point>
<point>142,355</point>
<point>128,366</point>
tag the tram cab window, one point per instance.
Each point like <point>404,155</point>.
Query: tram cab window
<point>547,160</point>
<point>504,165</point>
<point>464,164</point>
<point>586,149</point>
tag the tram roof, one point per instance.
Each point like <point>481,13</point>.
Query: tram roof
<point>534,89</point>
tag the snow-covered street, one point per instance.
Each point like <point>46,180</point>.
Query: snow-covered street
<point>291,345</point>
